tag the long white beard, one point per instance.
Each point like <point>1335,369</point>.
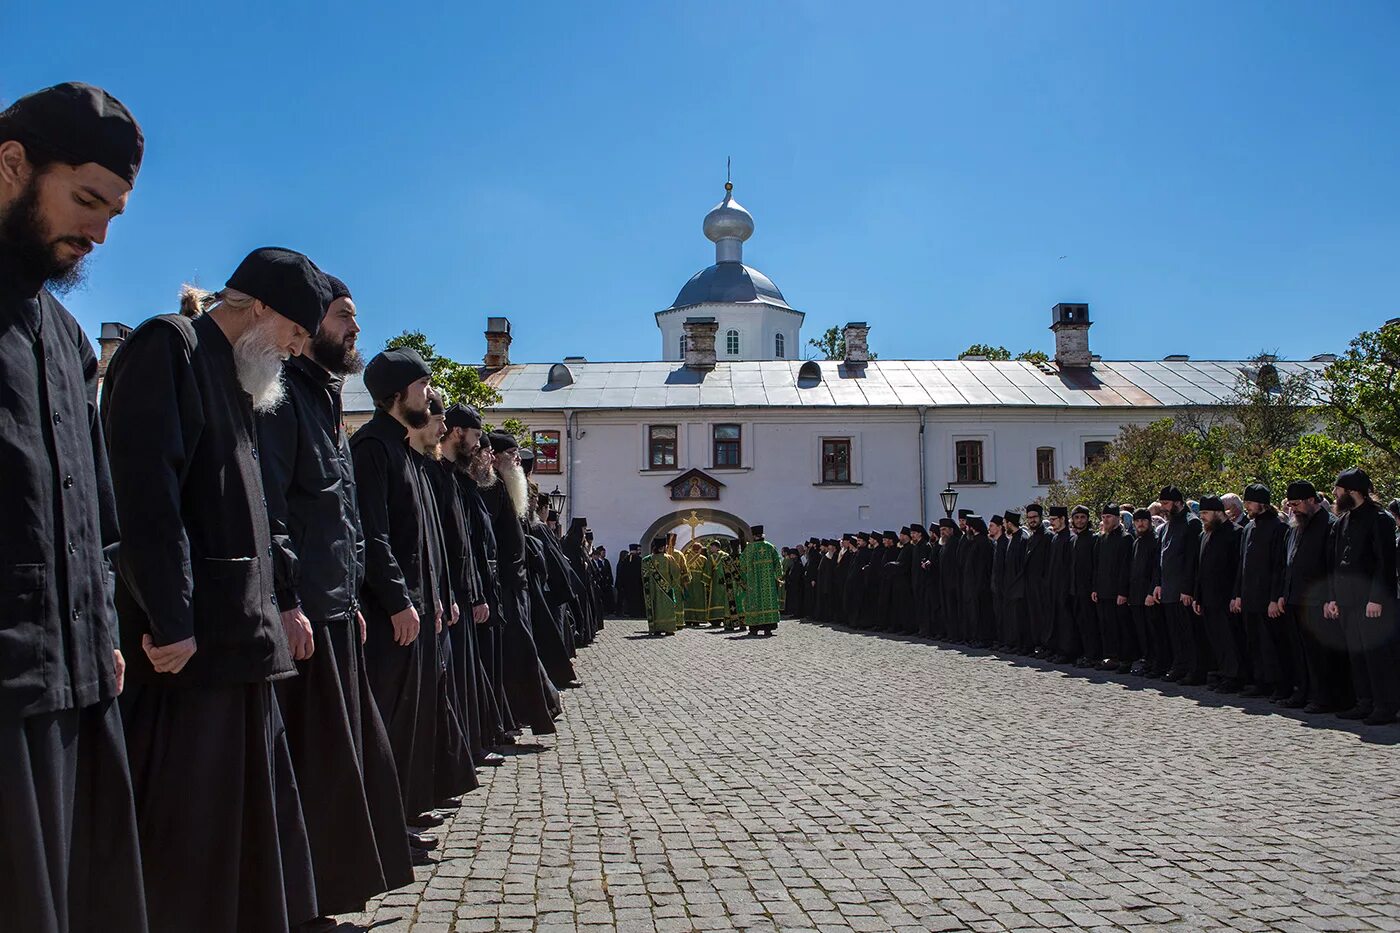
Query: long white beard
<point>259,363</point>
<point>517,487</point>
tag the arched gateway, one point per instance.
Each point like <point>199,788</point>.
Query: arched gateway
<point>697,523</point>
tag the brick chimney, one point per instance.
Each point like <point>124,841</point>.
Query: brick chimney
<point>497,343</point>
<point>700,343</point>
<point>1070,322</point>
<point>113,336</point>
<point>856,335</point>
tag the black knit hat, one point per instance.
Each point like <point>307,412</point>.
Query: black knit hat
<point>463,416</point>
<point>338,289</point>
<point>947,523</point>
<point>285,281</point>
<point>1081,510</point>
<point>78,124</point>
<point>1035,507</point>
<point>392,370</point>
<point>1301,489</point>
<point>1354,479</point>
<point>501,442</point>
<point>1142,513</point>
<point>1170,494</point>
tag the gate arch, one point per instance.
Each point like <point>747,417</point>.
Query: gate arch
<point>711,516</point>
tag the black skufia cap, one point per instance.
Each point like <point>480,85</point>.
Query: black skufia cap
<point>1170,494</point>
<point>1211,504</point>
<point>501,442</point>
<point>1355,480</point>
<point>463,416</point>
<point>527,460</point>
<point>1301,489</point>
<point>285,281</point>
<point>756,529</point>
<point>79,124</point>
<point>337,288</point>
<point>1257,493</point>
<point>1059,511</point>
<point>393,369</point>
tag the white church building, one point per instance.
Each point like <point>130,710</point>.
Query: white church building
<point>730,428</point>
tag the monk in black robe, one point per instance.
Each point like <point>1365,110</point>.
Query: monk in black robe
<point>478,473</point>
<point>344,764</point>
<point>68,838</point>
<point>200,625</point>
<point>950,578</point>
<point>975,587</point>
<point>400,598</point>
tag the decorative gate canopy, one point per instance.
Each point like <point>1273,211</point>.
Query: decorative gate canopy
<point>694,484</point>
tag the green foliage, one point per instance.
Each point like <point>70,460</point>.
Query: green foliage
<point>832,345</point>
<point>1140,461</point>
<point>1316,458</point>
<point>458,382</point>
<point>1001,354</point>
<point>1358,396</point>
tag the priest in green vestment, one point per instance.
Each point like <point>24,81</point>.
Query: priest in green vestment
<point>662,582</point>
<point>697,589</point>
<point>761,568</point>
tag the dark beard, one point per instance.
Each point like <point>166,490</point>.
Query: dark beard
<point>415,418</point>
<point>1345,503</point>
<point>336,356</point>
<point>22,230</point>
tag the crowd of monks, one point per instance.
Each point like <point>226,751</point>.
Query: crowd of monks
<point>1294,600</point>
<point>248,660</point>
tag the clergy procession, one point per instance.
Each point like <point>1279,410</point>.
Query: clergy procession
<point>248,663</point>
<point>1293,599</point>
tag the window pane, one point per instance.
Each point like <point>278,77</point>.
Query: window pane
<point>731,342</point>
<point>1045,466</point>
<point>1094,450</point>
<point>836,460</point>
<point>546,444</point>
<point>779,342</point>
<point>969,461</point>
<point>726,432</point>
<point>661,446</point>
<point>660,431</point>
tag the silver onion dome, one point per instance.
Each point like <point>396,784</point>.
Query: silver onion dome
<point>728,225</point>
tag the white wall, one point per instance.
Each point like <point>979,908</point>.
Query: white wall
<point>757,325</point>
<point>778,483</point>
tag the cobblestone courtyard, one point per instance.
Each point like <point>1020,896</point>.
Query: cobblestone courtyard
<point>829,780</point>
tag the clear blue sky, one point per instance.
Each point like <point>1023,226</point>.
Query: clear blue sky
<point>1219,177</point>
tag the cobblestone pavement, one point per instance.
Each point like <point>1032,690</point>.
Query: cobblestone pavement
<point>830,780</point>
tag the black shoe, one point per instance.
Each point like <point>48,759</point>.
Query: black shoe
<point>1192,680</point>
<point>1251,690</point>
<point>1279,695</point>
<point>422,842</point>
<point>1294,702</point>
<point>449,803</point>
<point>420,857</point>
<point>425,821</point>
<point>1139,669</point>
<point>1359,711</point>
<point>318,925</point>
<point>1317,709</point>
<point>1380,717</point>
<point>1227,685</point>
<point>1173,676</point>
<point>490,760</point>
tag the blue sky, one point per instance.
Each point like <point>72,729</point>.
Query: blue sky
<point>1218,178</point>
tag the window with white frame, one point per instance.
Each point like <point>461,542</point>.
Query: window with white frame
<point>731,342</point>
<point>779,346</point>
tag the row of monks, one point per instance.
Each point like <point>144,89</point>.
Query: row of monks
<point>1297,605</point>
<point>246,657</point>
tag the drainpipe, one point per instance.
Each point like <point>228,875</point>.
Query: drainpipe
<point>923,478</point>
<point>568,469</point>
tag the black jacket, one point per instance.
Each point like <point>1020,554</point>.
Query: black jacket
<point>1363,558</point>
<point>462,576</point>
<point>1014,544</point>
<point>1263,558</point>
<point>1305,580</point>
<point>57,626</point>
<point>389,488</point>
<point>1061,561</point>
<point>1081,575</point>
<point>1001,547</point>
<point>1219,563</point>
<point>1035,570</point>
<point>1181,551</point>
<point>1145,574</point>
<point>196,556</point>
<point>318,556</point>
<point>1113,561</point>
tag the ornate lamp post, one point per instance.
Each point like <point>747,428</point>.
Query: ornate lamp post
<point>556,501</point>
<point>949,495</point>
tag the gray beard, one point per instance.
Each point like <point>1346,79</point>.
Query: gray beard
<point>258,360</point>
<point>517,488</point>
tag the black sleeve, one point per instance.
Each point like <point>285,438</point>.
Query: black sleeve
<point>152,404</point>
<point>1383,540</point>
<point>383,577</point>
<point>1278,565</point>
<point>108,526</point>
<point>278,440</point>
<point>1191,559</point>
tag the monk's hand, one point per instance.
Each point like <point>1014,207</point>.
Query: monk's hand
<point>481,613</point>
<point>299,636</point>
<point>456,615</point>
<point>119,668</point>
<point>1275,610</point>
<point>1329,611</point>
<point>405,623</point>
<point>1094,597</point>
<point>1122,600</point>
<point>1237,605</point>
<point>168,659</point>
<point>364,629</point>
<point>1373,610</point>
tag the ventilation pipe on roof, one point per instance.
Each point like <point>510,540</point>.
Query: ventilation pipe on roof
<point>497,343</point>
<point>700,343</point>
<point>1070,322</point>
<point>856,334</point>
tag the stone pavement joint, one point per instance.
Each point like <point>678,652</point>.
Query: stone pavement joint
<point>829,780</point>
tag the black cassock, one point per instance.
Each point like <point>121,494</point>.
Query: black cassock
<point>545,618</point>
<point>574,549</point>
<point>68,843</point>
<point>390,490</point>
<point>950,583</point>
<point>344,763</point>
<point>794,592</point>
<point>533,700</point>
<point>975,588</point>
<point>496,719</point>
<point>562,586</point>
<point>223,842</point>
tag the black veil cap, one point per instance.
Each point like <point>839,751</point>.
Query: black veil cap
<point>78,123</point>
<point>285,281</point>
<point>463,416</point>
<point>391,370</point>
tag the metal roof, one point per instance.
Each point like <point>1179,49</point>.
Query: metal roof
<point>880,384</point>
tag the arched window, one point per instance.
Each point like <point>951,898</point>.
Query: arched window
<point>731,342</point>
<point>779,346</point>
<point>682,346</point>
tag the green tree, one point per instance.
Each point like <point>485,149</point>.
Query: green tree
<point>1316,458</point>
<point>1358,396</point>
<point>1143,459</point>
<point>1001,354</point>
<point>832,345</point>
<point>1268,412</point>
